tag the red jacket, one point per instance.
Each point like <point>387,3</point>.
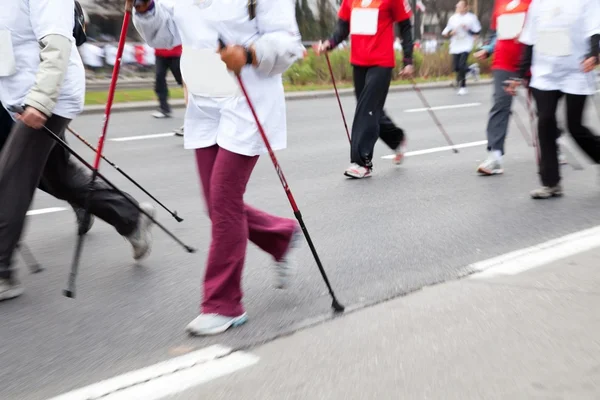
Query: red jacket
<point>174,52</point>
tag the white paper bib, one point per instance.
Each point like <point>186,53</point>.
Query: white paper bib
<point>510,25</point>
<point>553,42</point>
<point>206,75</point>
<point>363,21</point>
<point>8,66</point>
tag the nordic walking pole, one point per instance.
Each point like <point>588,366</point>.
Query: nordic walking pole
<point>115,166</point>
<point>522,128</point>
<point>338,96</point>
<point>337,307</point>
<point>64,145</point>
<point>32,264</point>
<point>432,114</point>
<point>70,291</point>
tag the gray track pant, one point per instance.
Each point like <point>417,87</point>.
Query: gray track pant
<point>500,113</point>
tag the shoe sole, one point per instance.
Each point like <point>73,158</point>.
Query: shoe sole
<point>546,198</point>
<point>487,172</point>
<point>11,294</point>
<point>349,175</point>
<point>234,323</point>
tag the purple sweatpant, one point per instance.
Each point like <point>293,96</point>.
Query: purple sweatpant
<point>224,177</point>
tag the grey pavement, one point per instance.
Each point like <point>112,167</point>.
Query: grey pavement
<point>527,336</point>
<point>404,229</point>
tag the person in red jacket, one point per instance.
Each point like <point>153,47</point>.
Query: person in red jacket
<point>507,22</point>
<point>370,24</point>
<point>166,59</point>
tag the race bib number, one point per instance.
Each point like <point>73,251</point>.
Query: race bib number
<point>363,21</point>
<point>7,56</point>
<point>553,42</point>
<point>206,75</point>
<point>510,25</point>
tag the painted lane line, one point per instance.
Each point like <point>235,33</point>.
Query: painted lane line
<point>45,211</point>
<point>142,137</point>
<point>449,107</point>
<point>536,256</point>
<point>439,149</point>
<point>166,378</point>
<point>181,381</point>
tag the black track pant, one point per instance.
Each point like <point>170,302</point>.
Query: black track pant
<point>163,65</point>
<point>461,68</point>
<point>547,102</point>
<point>371,85</point>
<point>30,159</point>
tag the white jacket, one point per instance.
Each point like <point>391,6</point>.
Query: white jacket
<point>217,113</point>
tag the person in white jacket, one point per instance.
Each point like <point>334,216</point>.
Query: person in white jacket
<point>562,44</point>
<point>462,28</point>
<point>262,40</point>
<point>41,70</point>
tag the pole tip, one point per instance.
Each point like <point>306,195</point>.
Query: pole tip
<point>190,249</point>
<point>69,293</point>
<point>36,269</point>
<point>337,307</point>
<point>455,151</point>
<point>177,217</point>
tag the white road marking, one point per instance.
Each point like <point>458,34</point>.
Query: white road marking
<point>536,256</point>
<point>143,137</point>
<point>439,149</point>
<point>449,107</point>
<point>167,378</point>
<point>45,211</point>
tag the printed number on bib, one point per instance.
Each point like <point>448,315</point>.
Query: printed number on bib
<point>553,42</point>
<point>7,55</point>
<point>510,25</point>
<point>363,21</point>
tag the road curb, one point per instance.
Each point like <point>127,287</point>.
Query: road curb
<point>316,94</point>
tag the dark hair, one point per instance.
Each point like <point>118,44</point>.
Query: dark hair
<point>79,29</point>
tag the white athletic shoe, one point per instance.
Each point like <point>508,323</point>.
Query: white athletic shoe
<point>491,166</point>
<point>179,132</point>
<point>10,288</point>
<point>285,268</point>
<point>213,324</point>
<point>160,114</point>
<point>399,156</point>
<point>357,171</point>
<point>462,91</point>
<point>141,238</point>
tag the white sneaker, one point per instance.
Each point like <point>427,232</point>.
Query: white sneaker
<point>285,269</point>
<point>160,114</point>
<point>141,238</point>
<point>462,91</point>
<point>213,324</point>
<point>357,171</point>
<point>179,132</point>
<point>399,156</point>
<point>10,288</point>
<point>491,166</point>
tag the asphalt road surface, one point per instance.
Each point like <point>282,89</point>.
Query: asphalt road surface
<point>405,228</point>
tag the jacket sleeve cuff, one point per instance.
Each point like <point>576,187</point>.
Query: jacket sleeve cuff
<point>40,103</point>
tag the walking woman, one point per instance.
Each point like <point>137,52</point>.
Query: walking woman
<point>561,48</point>
<point>263,41</point>
<point>370,24</point>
